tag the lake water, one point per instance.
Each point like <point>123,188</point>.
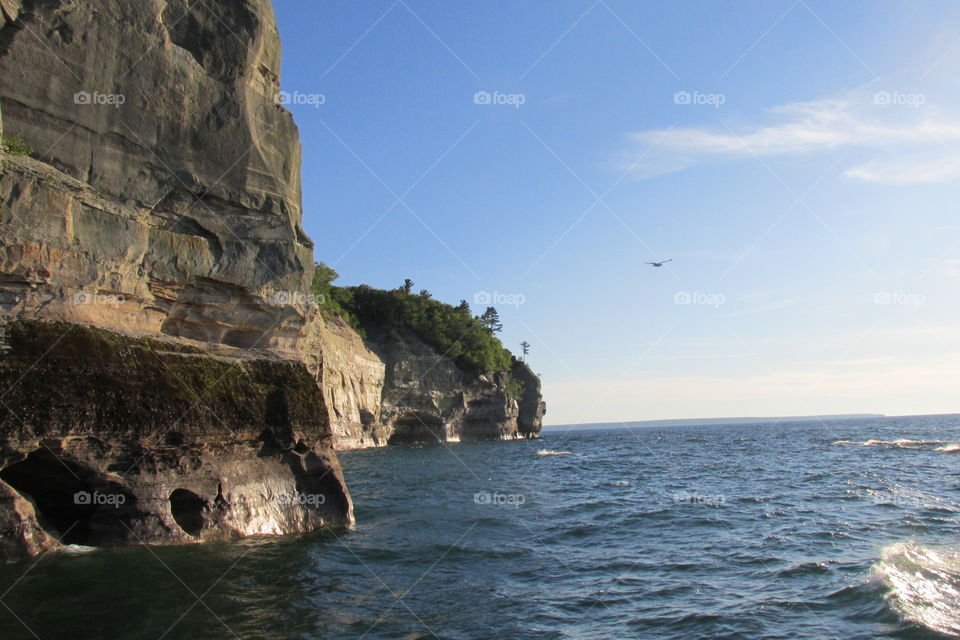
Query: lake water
<point>758,531</point>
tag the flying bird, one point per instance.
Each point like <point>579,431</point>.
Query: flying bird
<point>660,264</point>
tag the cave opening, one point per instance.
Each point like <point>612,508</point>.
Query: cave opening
<point>71,500</point>
<point>415,428</point>
<point>187,509</point>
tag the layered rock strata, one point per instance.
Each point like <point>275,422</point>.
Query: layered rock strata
<point>149,247</point>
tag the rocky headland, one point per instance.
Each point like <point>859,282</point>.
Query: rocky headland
<point>165,374</point>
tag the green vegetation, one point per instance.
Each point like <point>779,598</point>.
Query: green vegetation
<point>334,301</point>
<point>491,320</point>
<point>15,146</point>
<point>515,388</point>
<point>453,331</point>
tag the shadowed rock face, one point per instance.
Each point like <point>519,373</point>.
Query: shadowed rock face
<point>106,439</point>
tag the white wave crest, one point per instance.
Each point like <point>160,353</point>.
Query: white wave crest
<point>924,585</point>
<point>76,548</point>
<point>905,443</point>
<point>547,452</point>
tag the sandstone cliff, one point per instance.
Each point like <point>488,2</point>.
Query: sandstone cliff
<point>393,388</point>
<point>163,377</point>
<point>426,398</point>
<point>171,179</point>
<point>161,203</point>
<point>109,439</point>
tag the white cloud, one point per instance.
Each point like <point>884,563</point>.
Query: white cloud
<point>933,168</point>
<point>905,139</point>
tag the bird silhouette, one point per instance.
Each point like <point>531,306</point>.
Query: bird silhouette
<point>660,264</point>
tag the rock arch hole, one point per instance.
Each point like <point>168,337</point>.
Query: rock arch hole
<point>418,428</point>
<point>72,501</point>
<point>187,509</point>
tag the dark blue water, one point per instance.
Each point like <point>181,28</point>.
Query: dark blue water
<point>753,531</point>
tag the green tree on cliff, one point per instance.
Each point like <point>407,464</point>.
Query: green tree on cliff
<point>451,330</point>
<point>491,320</point>
<point>333,300</point>
<point>525,349</point>
<point>407,286</point>
<point>323,278</point>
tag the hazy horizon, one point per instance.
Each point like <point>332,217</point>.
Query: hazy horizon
<point>733,418</point>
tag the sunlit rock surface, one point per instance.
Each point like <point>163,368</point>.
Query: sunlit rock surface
<point>161,205</point>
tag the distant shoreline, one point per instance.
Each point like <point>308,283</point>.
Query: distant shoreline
<point>711,421</point>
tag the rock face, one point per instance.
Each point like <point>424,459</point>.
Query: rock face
<point>162,206</point>
<point>110,439</point>
<point>352,379</point>
<point>427,398</point>
<point>187,198</point>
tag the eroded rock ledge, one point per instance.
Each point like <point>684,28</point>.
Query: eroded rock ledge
<point>109,439</point>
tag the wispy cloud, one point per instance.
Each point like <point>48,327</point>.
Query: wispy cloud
<point>773,305</point>
<point>905,140</point>
<point>937,166</point>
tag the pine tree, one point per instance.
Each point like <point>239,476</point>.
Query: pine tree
<point>525,346</point>
<point>491,320</point>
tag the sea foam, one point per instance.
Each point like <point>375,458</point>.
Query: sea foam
<point>905,443</point>
<point>923,585</point>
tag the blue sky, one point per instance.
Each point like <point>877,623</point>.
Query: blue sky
<point>799,161</point>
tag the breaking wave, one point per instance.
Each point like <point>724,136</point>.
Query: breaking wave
<point>547,452</point>
<point>923,585</point>
<point>904,443</point>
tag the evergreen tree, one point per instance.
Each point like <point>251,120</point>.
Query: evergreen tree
<point>491,320</point>
<point>525,346</point>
